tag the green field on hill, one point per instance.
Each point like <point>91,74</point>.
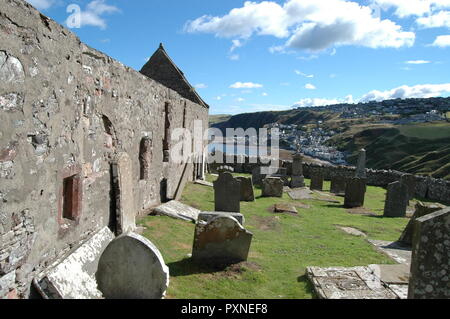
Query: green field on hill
<point>283,245</point>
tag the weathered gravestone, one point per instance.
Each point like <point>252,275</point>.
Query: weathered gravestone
<point>297,178</point>
<point>227,193</point>
<point>361,166</point>
<point>355,192</point>
<point>396,200</point>
<point>257,175</point>
<point>222,240</point>
<point>247,192</point>
<point>272,187</point>
<point>208,216</point>
<point>338,184</point>
<point>316,181</point>
<point>410,181</point>
<point>430,264</point>
<point>131,267</point>
<point>422,209</point>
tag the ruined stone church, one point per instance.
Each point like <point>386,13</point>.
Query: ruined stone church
<point>84,142</point>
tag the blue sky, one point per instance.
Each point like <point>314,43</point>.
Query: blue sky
<point>271,55</point>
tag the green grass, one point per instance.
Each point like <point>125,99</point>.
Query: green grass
<point>426,130</point>
<point>282,247</point>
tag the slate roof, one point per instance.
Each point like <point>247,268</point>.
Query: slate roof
<point>162,69</point>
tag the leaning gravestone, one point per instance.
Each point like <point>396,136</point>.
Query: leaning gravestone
<point>131,267</point>
<point>338,184</point>
<point>227,193</point>
<point>430,264</point>
<point>422,209</point>
<point>272,187</point>
<point>316,181</point>
<point>355,191</point>
<point>361,166</point>
<point>247,193</point>
<point>222,240</point>
<point>396,200</point>
<point>410,181</point>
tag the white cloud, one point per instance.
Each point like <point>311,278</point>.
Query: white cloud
<point>264,94</point>
<point>246,85</point>
<point>442,41</point>
<point>92,15</point>
<point>235,44</point>
<point>310,86</point>
<point>240,99</point>
<point>200,86</point>
<point>404,92</point>
<point>218,98</point>
<point>303,74</point>
<point>234,57</point>
<point>405,8</point>
<point>438,20</point>
<point>417,62</point>
<point>308,102</point>
<point>308,24</point>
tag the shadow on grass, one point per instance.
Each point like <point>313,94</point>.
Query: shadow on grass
<point>188,266</point>
<point>309,288</point>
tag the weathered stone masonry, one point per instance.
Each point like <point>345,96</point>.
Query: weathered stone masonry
<point>66,112</point>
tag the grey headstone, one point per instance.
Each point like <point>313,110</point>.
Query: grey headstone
<point>223,240</point>
<point>422,209</point>
<point>338,184</point>
<point>430,265</point>
<point>131,267</point>
<point>247,192</point>
<point>297,165</point>
<point>410,181</point>
<point>355,192</point>
<point>272,187</point>
<point>396,200</point>
<point>257,176</point>
<point>227,193</point>
<point>316,181</point>
<point>361,166</point>
<point>297,181</point>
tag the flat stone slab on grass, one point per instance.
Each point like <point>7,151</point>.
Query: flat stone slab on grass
<point>352,231</point>
<point>285,208</point>
<point>393,274</point>
<point>204,183</point>
<point>177,210</point>
<point>396,250</point>
<point>301,193</point>
<point>360,211</point>
<point>348,283</point>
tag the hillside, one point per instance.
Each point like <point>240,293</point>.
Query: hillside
<point>414,148</point>
<point>419,149</point>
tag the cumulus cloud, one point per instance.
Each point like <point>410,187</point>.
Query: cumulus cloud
<point>404,92</point>
<point>310,86</point>
<point>246,85</point>
<point>442,41</point>
<point>307,24</point>
<point>438,20</point>
<point>92,15</point>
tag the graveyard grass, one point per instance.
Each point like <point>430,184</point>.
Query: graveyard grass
<point>282,247</point>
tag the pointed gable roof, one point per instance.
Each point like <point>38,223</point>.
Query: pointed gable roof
<point>161,68</point>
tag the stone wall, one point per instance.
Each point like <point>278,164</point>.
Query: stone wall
<point>426,187</point>
<point>68,110</point>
